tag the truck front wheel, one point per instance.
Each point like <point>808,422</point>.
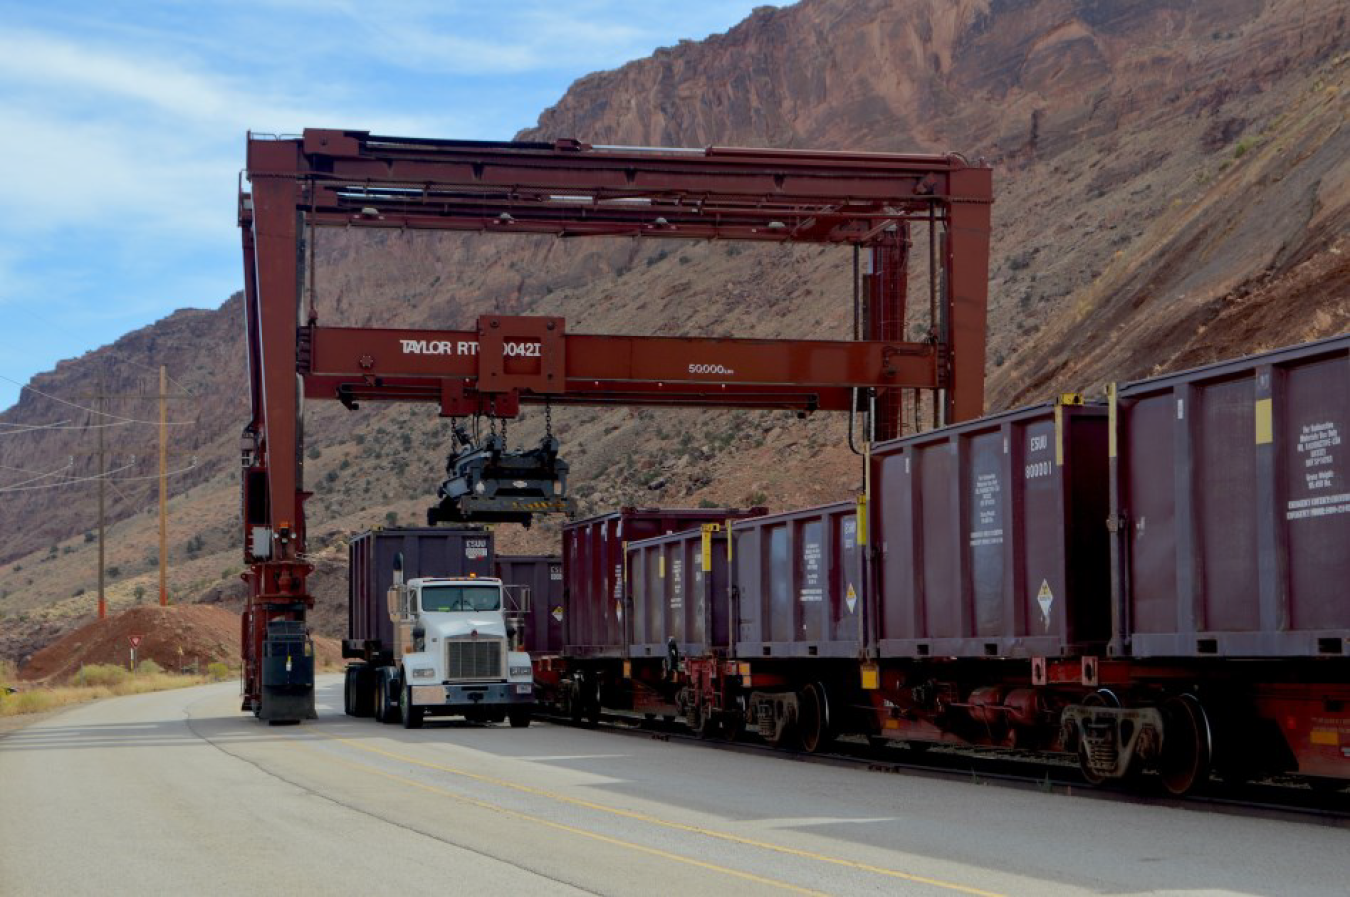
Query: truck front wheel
<point>412,716</point>
<point>385,711</point>
<point>520,718</point>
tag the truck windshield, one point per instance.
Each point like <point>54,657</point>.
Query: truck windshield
<point>458,599</point>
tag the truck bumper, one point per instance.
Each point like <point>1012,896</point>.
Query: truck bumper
<point>458,698</point>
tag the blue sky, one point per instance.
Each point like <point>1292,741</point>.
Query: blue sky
<point>124,127</point>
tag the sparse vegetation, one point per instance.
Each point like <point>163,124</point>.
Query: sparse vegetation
<point>102,680</point>
<point>217,671</point>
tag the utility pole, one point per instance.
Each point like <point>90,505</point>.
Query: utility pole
<point>102,488</point>
<point>102,397</point>
<point>163,486</point>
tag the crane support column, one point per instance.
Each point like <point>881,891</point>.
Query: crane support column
<point>967,265</point>
<point>278,669</point>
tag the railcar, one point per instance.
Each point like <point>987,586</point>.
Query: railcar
<point>1156,583</point>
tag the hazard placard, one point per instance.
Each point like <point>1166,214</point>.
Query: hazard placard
<point>1046,599</point>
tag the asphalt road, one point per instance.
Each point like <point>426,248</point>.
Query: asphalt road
<point>179,793</point>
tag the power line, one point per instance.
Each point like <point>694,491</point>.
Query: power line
<point>73,481</point>
<point>106,477</point>
<point>29,428</point>
<point>130,420</point>
<point>41,476</point>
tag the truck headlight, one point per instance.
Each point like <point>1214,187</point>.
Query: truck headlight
<point>520,672</point>
<point>424,673</point>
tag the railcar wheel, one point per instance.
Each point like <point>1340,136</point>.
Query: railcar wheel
<point>813,718</point>
<point>1187,750</point>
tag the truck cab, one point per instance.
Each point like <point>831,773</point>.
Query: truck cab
<point>453,654</point>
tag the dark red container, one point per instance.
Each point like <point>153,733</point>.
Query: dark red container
<point>594,606</point>
<point>797,584</point>
<point>677,587</point>
<point>543,577</point>
<point>426,552</point>
<point>992,538</point>
<point>1231,489</point>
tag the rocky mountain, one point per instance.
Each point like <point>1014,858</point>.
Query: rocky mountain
<point>1172,182</point>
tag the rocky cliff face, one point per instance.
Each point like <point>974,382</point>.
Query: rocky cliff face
<point>1172,186</point>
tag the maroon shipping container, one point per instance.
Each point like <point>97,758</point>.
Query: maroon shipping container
<point>677,587</point>
<point>594,605</point>
<point>543,576</point>
<point>1232,494</point>
<point>426,552</point>
<point>992,537</point>
<point>797,584</point>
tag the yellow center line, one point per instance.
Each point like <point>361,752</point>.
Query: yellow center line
<point>560,826</point>
<point>667,823</point>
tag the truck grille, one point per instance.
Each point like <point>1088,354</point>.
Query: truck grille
<point>473,659</point>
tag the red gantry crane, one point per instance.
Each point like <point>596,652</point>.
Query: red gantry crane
<point>329,178</point>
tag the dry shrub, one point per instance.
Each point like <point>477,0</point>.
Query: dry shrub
<point>106,674</point>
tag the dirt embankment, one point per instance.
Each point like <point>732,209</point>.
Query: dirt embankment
<point>174,637</point>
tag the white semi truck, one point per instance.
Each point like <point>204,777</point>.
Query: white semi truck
<point>451,654</point>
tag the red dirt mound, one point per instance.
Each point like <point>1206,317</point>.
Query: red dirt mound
<point>205,635</point>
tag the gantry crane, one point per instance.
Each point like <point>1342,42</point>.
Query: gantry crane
<point>331,178</point>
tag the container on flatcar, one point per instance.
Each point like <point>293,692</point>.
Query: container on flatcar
<point>992,537</point>
<point>797,584</point>
<point>1231,499</point>
<point>542,575</point>
<point>595,611</point>
<point>677,585</point>
<point>426,551</point>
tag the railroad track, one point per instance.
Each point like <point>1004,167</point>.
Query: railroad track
<point>1275,798</point>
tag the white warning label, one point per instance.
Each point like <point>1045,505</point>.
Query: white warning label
<point>812,589</point>
<point>676,584</point>
<point>1317,445</point>
<point>987,531</point>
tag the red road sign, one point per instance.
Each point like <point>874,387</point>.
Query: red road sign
<point>135,640</point>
